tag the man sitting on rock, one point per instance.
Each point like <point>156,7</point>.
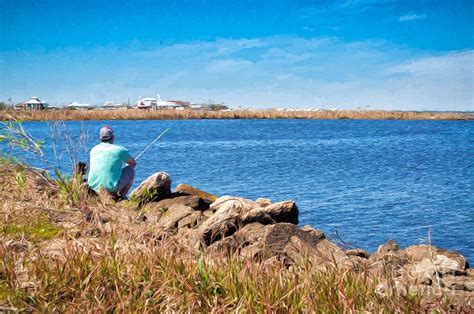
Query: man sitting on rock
<point>106,162</point>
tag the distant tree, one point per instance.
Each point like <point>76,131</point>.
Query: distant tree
<point>217,107</point>
<point>3,105</point>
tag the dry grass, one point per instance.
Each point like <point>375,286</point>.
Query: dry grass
<point>58,255</point>
<point>135,114</point>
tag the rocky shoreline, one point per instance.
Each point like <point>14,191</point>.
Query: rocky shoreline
<point>264,231</point>
<point>63,248</point>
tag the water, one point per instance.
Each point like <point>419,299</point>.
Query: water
<point>366,181</point>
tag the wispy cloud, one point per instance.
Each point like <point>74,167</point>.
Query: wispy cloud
<point>276,71</point>
<point>411,17</point>
<point>228,65</point>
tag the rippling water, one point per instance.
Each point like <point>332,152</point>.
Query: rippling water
<point>366,181</point>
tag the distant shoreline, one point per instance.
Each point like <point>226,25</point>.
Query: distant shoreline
<point>170,114</point>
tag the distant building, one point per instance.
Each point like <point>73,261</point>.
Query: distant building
<point>181,103</point>
<point>163,104</point>
<point>157,103</point>
<point>112,106</point>
<point>78,106</point>
<point>197,107</point>
<point>34,103</point>
<point>208,107</point>
<point>146,103</point>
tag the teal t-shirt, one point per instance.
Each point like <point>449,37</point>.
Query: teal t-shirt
<point>106,166</point>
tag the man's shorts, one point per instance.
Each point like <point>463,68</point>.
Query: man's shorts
<point>128,173</point>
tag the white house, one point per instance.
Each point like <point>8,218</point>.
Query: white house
<point>112,106</point>
<point>34,103</point>
<point>156,103</point>
<point>79,106</point>
<point>146,103</point>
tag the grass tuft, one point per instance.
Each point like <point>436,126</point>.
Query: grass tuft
<point>36,231</point>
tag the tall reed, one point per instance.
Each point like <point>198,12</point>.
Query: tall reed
<point>136,114</point>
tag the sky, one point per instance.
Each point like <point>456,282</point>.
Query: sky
<point>393,55</point>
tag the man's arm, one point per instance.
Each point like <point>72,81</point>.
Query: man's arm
<point>131,162</point>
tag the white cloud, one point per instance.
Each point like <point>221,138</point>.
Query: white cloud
<point>411,17</point>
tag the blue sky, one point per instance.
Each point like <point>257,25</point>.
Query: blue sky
<point>308,54</point>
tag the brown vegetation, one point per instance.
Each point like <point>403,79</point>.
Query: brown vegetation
<point>136,114</point>
<point>65,253</point>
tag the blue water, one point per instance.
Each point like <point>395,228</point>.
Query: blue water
<point>364,181</point>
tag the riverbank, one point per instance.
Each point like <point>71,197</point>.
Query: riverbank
<point>136,114</point>
<point>187,250</point>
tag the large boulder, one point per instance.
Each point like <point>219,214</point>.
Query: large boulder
<point>171,217</point>
<point>285,241</point>
<point>388,258</point>
<point>428,263</point>
<point>233,204</point>
<point>448,261</point>
<point>285,211</point>
<point>226,218</point>
<point>189,190</point>
<point>358,252</point>
<point>154,188</point>
<point>191,221</point>
<point>174,199</point>
<point>464,283</point>
<point>219,225</point>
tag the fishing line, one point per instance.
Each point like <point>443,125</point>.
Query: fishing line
<point>156,139</point>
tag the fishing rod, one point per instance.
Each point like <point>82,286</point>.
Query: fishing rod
<point>156,139</point>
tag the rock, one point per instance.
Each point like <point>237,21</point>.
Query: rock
<point>257,215</point>
<point>191,221</point>
<point>192,201</point>
<point>207,213</point>
<point>153,188</point>
<point>189,190</point>
<point>227,245</point>
<point>219,225</point>
<point>241,240</point>
<point>464,283</point>
<point>298,251</point>
<point>250,233</point>
<point>152,213</point>
<point>311,235</point>
<point>170,218</point>
<point>447,260</point>
<point>190,237</point>
<point>263,202</point>
<point>289,243</point>
<point>389,248</point>
<point>388,259</point>
<point>432,270</point>
<point>358,252</point>
<point>279,212</point>
<point>226,218</point>
<point>233,204</point>
<point>470,272</point>
<point>433,294</point>
<point>428,264</point>
<point>329,252</point>
<point>250,251</point>
<point>283,212</point>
